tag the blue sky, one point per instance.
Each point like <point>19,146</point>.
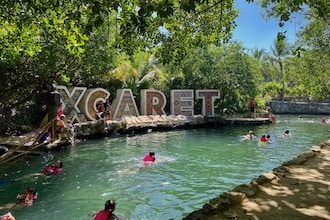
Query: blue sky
<point>253,31</point>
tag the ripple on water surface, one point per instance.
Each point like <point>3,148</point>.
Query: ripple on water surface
<point>192,167</point>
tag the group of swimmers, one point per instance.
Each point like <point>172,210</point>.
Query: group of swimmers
<point>109,207</point>
<point>265,138</point>
<point>30,194</point>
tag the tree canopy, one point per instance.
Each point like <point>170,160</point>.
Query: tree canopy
<point>89,42</point>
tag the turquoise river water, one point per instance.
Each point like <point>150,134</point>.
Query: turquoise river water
<point>193,166</point>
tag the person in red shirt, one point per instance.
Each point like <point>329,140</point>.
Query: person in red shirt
<point>100,110</point>
<point>323,120</point>
<point>107,212</point>
<point>252,105</point>
<point>263,138</point>
<point>150,157</point>
<point>53,169</point>
<point>59,110</point>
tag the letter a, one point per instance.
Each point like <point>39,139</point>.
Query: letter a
<point>124,104</point>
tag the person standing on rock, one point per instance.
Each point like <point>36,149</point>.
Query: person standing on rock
<point>252,107</point>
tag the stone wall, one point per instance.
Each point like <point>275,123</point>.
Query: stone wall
<point>284,107</point>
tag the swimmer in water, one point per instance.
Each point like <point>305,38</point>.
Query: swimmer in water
<point>7,216</point>
<point>263,138</point>
<point>249,136</point>
<point>30,194</point>
<point>149,157</point>
<point>323,120</point>
<point>269,140</point>
<point>286,134</point>
<point>50,170</point>
<point>107,212</point>
<point>53,169</point>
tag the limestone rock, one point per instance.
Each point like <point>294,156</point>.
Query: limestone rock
<point>266,177</point>
<point>248,189</point>
<point>309,154</point>
<point>296,161</point>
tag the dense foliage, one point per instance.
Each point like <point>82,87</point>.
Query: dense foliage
<point>156,44</point>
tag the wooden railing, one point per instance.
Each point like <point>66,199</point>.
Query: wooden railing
<point>36,142</point>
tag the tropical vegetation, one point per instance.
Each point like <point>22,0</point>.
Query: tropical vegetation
<point>164,44</point>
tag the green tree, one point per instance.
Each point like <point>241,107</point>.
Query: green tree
<point>310,69</point>
<point>279,51</point>
<point>227,68</point>
<point>141,73</point>
<point>44,41</point>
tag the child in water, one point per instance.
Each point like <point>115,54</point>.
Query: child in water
<point>265,139</point>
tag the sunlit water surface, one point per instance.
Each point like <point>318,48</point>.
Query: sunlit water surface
<point>193,166</point>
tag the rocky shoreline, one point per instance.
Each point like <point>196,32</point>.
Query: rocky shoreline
<point>140,124</point>
<point>298,189</point>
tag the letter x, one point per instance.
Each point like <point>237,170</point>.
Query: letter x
<point>71,100</point>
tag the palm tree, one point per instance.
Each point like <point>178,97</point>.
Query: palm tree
<point>259,54</point>
<point>141,73</point>
<point>279,51</point>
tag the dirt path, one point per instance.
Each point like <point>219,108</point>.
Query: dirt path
<point>298,190</point>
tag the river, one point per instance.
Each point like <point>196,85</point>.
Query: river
<point>192,166</point>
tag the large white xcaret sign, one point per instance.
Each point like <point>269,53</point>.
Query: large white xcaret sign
<point>80,103</point>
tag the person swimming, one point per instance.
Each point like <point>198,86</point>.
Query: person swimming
<point>50,170</point>
<point>249,136</point>
<point>7,216</point>
<point>263,138</point>
<point>30,194</point>
<point>107,212</point>
<point>286,134</point>
<point>53,169</point>
<point>269,140</point>
<point>149,157</point>
<point>323,120</point>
